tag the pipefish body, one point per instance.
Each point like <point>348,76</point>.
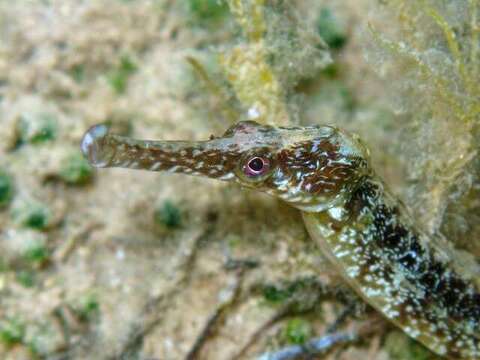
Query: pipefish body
<point>361,228</point>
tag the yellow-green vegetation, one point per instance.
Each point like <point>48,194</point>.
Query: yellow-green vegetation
<point>276,54</point>
<point>75,169</point>
<point>297,331</point>
<point>436,51</point>
<point>6,189</point>
<point>118,77</point>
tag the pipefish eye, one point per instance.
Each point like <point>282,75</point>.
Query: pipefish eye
<point>255,167</point>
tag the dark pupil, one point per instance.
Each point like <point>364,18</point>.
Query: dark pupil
<point>256,164</point>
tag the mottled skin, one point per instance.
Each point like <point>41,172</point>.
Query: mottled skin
<point>360,227</point>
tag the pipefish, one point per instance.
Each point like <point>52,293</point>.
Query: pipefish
<point>358,224</point>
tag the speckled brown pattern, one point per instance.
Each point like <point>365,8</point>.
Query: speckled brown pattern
<point>391,265</point>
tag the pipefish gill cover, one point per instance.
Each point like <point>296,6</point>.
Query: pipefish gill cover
<point>347,133</point>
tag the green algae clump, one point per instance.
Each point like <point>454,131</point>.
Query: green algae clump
<point>297,331</point>
<point>330,30</point>
<point>433,61</point>
<point>168,215</point>
<point>36,128</point>
<point>32,215</point>
<point>37,254</point>
<point>75,170</point>
<point>119,76</point>
<point>6,189</point>
<point>87,307</point>
<point>207,10</point>
<point>12,331</point>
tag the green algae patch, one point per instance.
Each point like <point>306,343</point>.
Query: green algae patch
<point>77,72</point>
<point>297,331</point>
<point>168,215</point>
<point>75,170</point>
<point>36,128</point>
<point>119,76</point>
<point>32,215</point>
<point>37,254</point>
<point>87,307</point>
<point>435,49</point>
<point>6,189</point>
<point>255,84</point>
<point>276,54</point>
<point>247,70</point>
<point>275,294</point>
<point>26,278</point>
<point>330,29</point>
<point>250,16</point>
<point>12,331</point>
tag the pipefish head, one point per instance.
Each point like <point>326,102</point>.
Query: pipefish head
<point>313,168</point>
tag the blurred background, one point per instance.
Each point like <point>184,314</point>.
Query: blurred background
<point>118,264</point>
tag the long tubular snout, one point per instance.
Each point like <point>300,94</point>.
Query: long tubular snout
<point>214,158</point>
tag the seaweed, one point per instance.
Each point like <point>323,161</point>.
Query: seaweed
<point>435,52</point>
<point>118,77</point>
<point>297,331</point>
<point>6,189</point>
<point>277,52</point>
<point>75,170</point>
<point>168,215</point>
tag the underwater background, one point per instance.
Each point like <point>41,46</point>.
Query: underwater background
<point>117,264</point>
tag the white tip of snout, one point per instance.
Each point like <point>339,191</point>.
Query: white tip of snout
<point>92,145</point>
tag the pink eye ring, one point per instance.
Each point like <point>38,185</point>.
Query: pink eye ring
<point>256,166</point>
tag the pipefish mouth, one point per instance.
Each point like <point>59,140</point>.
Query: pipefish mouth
<point>359,225</point>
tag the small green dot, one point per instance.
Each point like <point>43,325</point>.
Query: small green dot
<point>78,73</point>
<point>6,189</point>
<point>330,30</point>
<point>36,128</point>
<point>118,77</point>
<point>88,307</point>
<point>36,254</point>
<point>26,278</point>
<point>297,331</point>
<point>274,294</point>
<point>169,215</point>
<point>75,170</point>
<point>37,218</point>
<point>207,10</point>
<point>12,331</point>
<point>32,215</point>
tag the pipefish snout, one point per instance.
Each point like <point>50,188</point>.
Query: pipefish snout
<point>348,211</point>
